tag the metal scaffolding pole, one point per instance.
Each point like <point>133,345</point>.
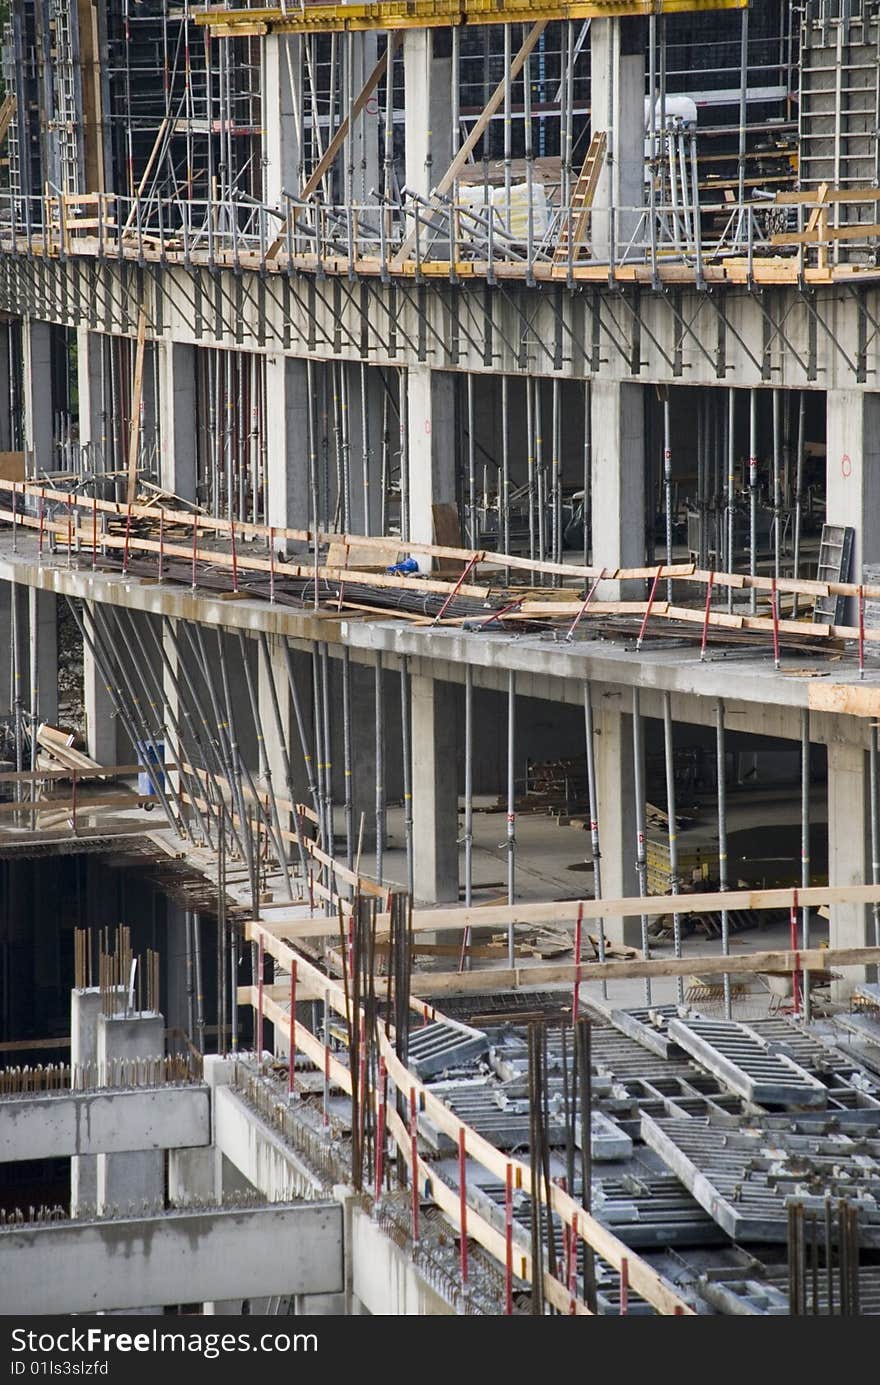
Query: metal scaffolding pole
<point>265,768</point>
<point>511,808</point>
<point>667,480</point>
<point>721,776</point>
<point>753,494</point>
<point>641,843</point>
<point>282,746</point>
<point>593,800</point>
<point>731,486</point>
<point>672,826</point>
<point>875,830</point>
<point>406,752</point>
<point>347,758</point>
<point>805,841</point>
<point>380,768</point>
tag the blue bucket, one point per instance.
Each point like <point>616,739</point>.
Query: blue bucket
<point>152,754</point>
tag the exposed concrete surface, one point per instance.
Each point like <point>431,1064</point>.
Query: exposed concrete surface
<point>173,1258</point>
<point>383,1277</point>
<point>78,1123</point>
<point>257,1152</point>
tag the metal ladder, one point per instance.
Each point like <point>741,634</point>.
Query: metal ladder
<point>581,201</point>
<point>66,123</point>
<point>835,556</point>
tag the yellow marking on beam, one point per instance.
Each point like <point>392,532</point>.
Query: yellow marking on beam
<point>393,15</point>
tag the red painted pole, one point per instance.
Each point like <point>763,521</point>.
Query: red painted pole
<point>380,1128</point>
<point>462,1203</point>
<point>650,607</point>
<point>624,1285</point>
<point>572,1270</point>
<point>292,1039</point>
<point>508,1241</point>
<point>706,614</point>
<point>414,1146</point>
<point>587,599</point>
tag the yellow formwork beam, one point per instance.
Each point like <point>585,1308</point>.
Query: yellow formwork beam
<point>427,14</point>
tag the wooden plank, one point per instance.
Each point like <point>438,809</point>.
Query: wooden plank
<point>12,466</point>
<point>447,534</point>
<point>487,980</point>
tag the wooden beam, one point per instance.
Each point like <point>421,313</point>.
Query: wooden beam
<point>491,979</point>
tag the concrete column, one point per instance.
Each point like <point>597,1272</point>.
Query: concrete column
<point>427,75</point>
<point>274,748</point>
<point>36,340</point>
<point>137,1178</point>
<point>617,67</point>
<point>176,365</point>
<point>190,1177</point>
<point>432,451</point>
<point>282,57</point>
<point>363,745</point>
<point>89,377</point>
<point>6,691</point>
<point>852,475</point>
<point>6,428</point>
<point>365,135</point>
<point>100,715</point>
<point>287,462</point>
<point>365,396</point>
<point>617,512</point>
<point>43,658</point>
<point>85,1007</point>
<point>435,790</point>
<point>617,812</point>
<point>848,851</point>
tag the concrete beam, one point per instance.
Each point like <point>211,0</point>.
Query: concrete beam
<point>63,1125</point>
<point>258,1151</point>
<point>178,1257</point>
<point>634,332</point>
<point>749,685</point>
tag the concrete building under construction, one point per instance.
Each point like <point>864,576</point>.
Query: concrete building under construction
<point>440,575</point>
